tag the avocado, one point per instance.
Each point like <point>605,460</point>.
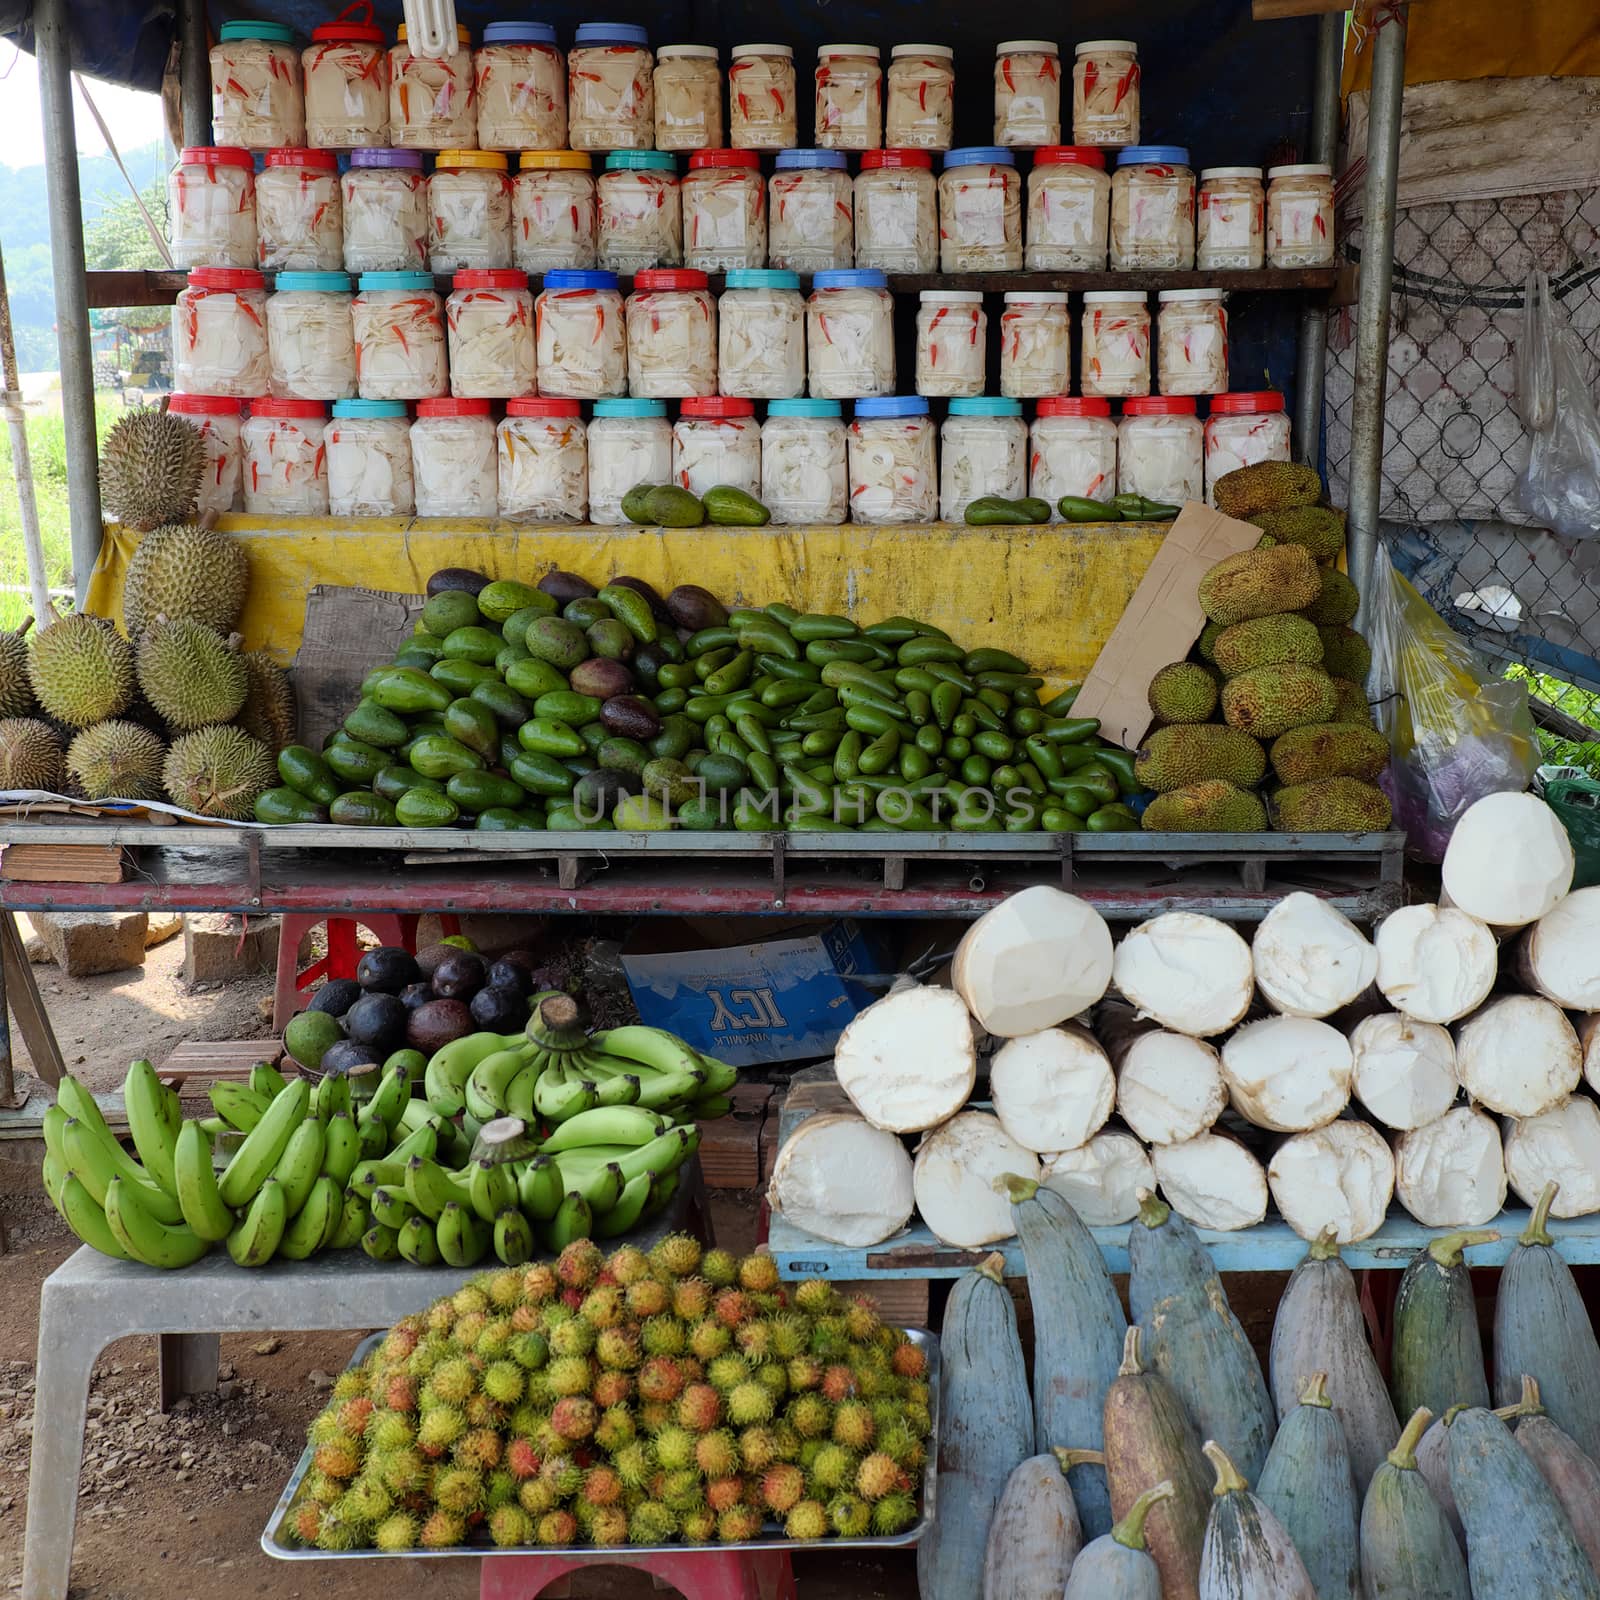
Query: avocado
<point>432,1026</point>
<point>502,599</point>
<point>733,508</point>
<point>310,1036</point>
<point>611,639</point>
<point>512,971</point>
<point>387,969</point>
<point>672,507</point>
<point>378,1020</point>
<point>631,716</point>
<point>499,1010</point>
<point>634,506</point>
<point>600,677</point>
<point>586,610</point>
<point>462,578</point>
<point>416,994</point>
<point>336,996</point>
<point>459,976</point>
<point>556,641</point>
<point>564,586</point>
<point>346,1056</point>
<point>695,608</point>
<point>448,610</point>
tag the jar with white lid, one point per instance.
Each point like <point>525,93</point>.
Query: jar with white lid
<point>640,211</point>
<point>1027,92</point>
<point>919,109</point>
<point>285,464</point>
<point>1069,210</point>
<point>893,467</point>
<point>688,91</point>
<point>1115,345</point>
<point>672,335</point>
<point>218,421</point>
<point>952,334</point>
<point>1035,345</point>
<point>849,112</point>
<point>630,442</point>
<point>1191,342</point>
<point>257,94</point>
<point>553,211</point>
<point>850,335</point>
<point>1105,92</point>
<point>581,337</point>
<point>761,97</point>
<point>1152,209</point>
<point>219,333</point>
<point>1230,220</point>
<point>520,81</point>
<point>299,220</point>
<point>761,336</point>
<point>897,211</point>
<point>543,461</point>
<point>309,338</point>
<point>1245,427</point>
<point>433,100</point>
<point>469,207</point>
<point>211,206</point>
<point>611,100</point>
<point>715,441</point>
<point>983,450</point>
<point>384,199</point>
<point>803,475</point>
<point>724,211</point>
<point>400,340</point>
<point>347,82</point>
<point>1072,451</point>
<point>1300,216</point>
<point>980,211</point>
<point>454,459</point>
<point>811,217</point>
<point>1161,449</point>
<point>369,459</point>
<point>489,327</point>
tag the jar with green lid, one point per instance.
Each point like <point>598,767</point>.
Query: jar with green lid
<point>257,96</point>
<point>641,215</point>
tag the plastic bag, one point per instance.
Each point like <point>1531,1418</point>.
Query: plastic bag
<point>1575,798</point>
<point>1456,732</point>
<point>1560,486</point>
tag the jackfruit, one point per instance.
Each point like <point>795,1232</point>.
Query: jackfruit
<point>1183,692</point>
<point>1210,806</point>
<point>1257,583</point>
<point>81,670</point>
<point>1271,700</point>
<point>1320,529</point>
<point>1351,705</point>
<point>30,755</point>
<point>1329,750</point>
<point>1267,486</point>
<point>185,573</point>
<point>1189,752</point>
<point>191,674</point>
<point>1346,653</point>
<point>16,693</point>
<point>117,761</point>
<point>1338,602</point>
<point>1267,642</point>
<point>269,707</point>
<point>1206,644</point>
<point>218,772</point>
<point>1332,805</point>
<point>150,467</point>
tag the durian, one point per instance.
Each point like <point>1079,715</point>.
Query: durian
<point>269,708</point>
<point>117,761</point>
<point>16,693</point>
<point>81,670</point>
<point>150,467</point>
<point>191,674</point>
<point>218,772</point>
<point>30,755</point>
<point>186,573</point>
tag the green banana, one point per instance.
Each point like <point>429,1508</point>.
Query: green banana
<point>625,1213</point>
<point>445,1077</point>
<point>373,1133</point>
<point>423,1141</point>
<point>172,1107</point>
<point>430,1188</point>
<point>711,1106</point>
<point>354,1220</point>
<point>300,1163</point>
<point>612,1088</point>
<point>242,1108</point>
<point>539,1191</point>
<point>491,1188</point>
<point>88,1153</point>
<point>558,1096</point>
<point>604,1125</point>
<point>572,1221</point>
<point>662,1189</point>
<point>143,1235</point>
<point>720,1076</point>
<point>264,1145</point>
<point>519,1092</point>
<point>464,1238</point>
<point>661,1155</point>
<point>387,1171</point>
<point>196,1177</point>
<point>55,1119</point>
<point>267,1081</point>
<point>381,1243</point>
<point>513,1237</point>
<point>54,1172</point>
<point>489,1081</point>
<point>389,1099</point>
<point>213,1127</point>
<point>341,1147</point>
<point>650,1047</point>
<point>663,1089</point>
<point>600,1186</point>
<point>256,1237</point>
<point>85,1218</point>
<point>391,1207</point>
<point>317,1221</point>
<point>415,1114</point>
<point>334,1095</point>
<point>144,1099</point>
<point>417,1242</point>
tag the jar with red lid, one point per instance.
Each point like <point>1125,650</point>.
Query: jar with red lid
<point>1072,451</point>
<point>285,460</point>
<point>543,461</point>
<point>489,326</point>
<point>257,93</point>
<point>1245,427</point>
<point>717,441</point>
<point>433,100</point>
<point>897,211</point>
<point>724,211</point>
<point>1069,210</point>
<point>672,335</point>
<point>469,207</point>
<point>347,82</point>
<point>454,459</point>
<point>218,419</point>
<point>521,85</point>
<point>299,215</point>
<point>1161,449</point>
<point>211,206</point>
<point>219,333</point>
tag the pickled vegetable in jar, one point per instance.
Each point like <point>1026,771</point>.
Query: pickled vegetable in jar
<point>309,337</point>
<point>672,335</point>
<point>810,219</point>
<point>761,336</point>
<point>400,340</point>
<point>369,459</point>
<point>761,97</point>
<point>1160,449</point>
<point>257,95</point>
<point>849,112</point>
<point>1105,92</point>
<point>1152,208</point>
<point>581,337</point>
<point>1192,342</point>
<point>952,333</point>
<point>553,211</point>
<point>983,450</point>
<point>347,82</point>
<point>1027,92</point>
<point>611,101</point>
<point>717,441</point>
<point>489,326</point>
<point>299,219</point>
<point>980,211</point>
<point>1245,427</point>
<point>630,442</point>
<point>724,211</point>
<point>520,81</point>
<point>285,462</point>
<point>218,421</point>
<point>469,206</point>
<point>543,462</point>
<point>688,91</point>
<point>211,206</point>
<point>1116,343</point>
<point>1035,345</point>
<point>894,475</point>
<point>219,333</point>
<point>454,459</point>
<point>897,212</point>
<point>1300,216</point>
<point>919,112</point>
<point>385,204</point>
<point>803,474</point>
<point>850,335</point>
<point>1072,451</point>
<point>1069,210</point>
<point>640,211</point>
<point>433,101</point>
<point>1230,220</point>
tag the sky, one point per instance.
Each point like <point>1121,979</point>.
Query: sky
<point>133,116</point>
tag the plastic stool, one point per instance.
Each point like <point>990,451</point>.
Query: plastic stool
<point>695,1574</point>
<point>392,928</point>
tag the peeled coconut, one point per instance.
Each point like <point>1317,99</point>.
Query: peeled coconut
<point>1405,1070</point>
<point>1518,1056</point>
<point>1451,1173</point>
<point>959,1179</point>
<point>1435,963</point>
<point>1191,973</point>
<point>1212,1181</point>
<point>1562,1146</point>
<point>1589,1040</point>
<point>842,1179</point>
<point>1559,955</point>
<point>1052,1089</point>
<point>1310,958</point>
<point>1339,1177</point>
<point>1169,1086</point>
<point>1102,1179</point>
<point>1288,1074</point>
<point>909,1060</point>
<point>1509,860</point>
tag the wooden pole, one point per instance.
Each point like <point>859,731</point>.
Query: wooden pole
<point>21,462</point>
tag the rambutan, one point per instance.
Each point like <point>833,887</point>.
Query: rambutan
<point>336,1532</point>
<point>758,1448</point>
<point>861,1318</point>
<point>904,1447</point>
<point>538,1392</point>
<point>723,1493</point>
<point>732,1307</point>
<point>754,1340</point>
<point>499,1489</point>
<point>440,1317</point>
<point>510,1527</point>
<point>894,1514</point>
<point>579,1264</point>
<point>788,1443</point>
<point>320,1487</point>
<point>758,1273</point>
<point>681,1491</point>
<point>615,1428</point>
<point>529,1350</point>
<point>402,1472</point>
<point>674,1448</point>
<point>805,1372</point>
<point>618,1347</point>
<point>556,1528</point>
<point>324,1426</point>
<point>562,1473</point>
<point>603,1306</point>
<point>728,1372</point>
<point>495,1340</point>
<point>693,1371</point>
<point>739,1525</point>
<point>481,1449</point>
<point>647,1297</point>
<point>628,1264</point>
<point>482,1412</point>
<point>612,1389</point>
<point>635,1463</point>
<point>608,1526</point>
<point>439,1429</point>
<point>470,1298</point>
<point>773,1376</point>
<point>652,1523</point>
<point>691,1299</point>
<point>307,1521</point>
<point>503,1382</point>
<point>601,1486</point>
<point>451,1383</point>
<point>790,1336</point>
<point>781,1487</point>
<point>833,1467</point>
<point>716,1454</point>
<point>661,1379</point>
<point>811,1416</point>
<point>399,1392</point>
<point>917,1418</point>
<point>877,1476</point>
<point>539,1283</point>
<point>522,1460</point>
<point>574,1417</point>
<point>815,1296</point>
<point>366,1500</point>
<point>535,1496</point>
<point>469,1328</point>
<point>908,1361</point>
<point>654,1415</point>
<point>698,1526</point>
<point>351,1384</point>
<point>850,1515</point>
<point>663,1336</point>
<point>807,1520</point>
<point>570,1375</point>
<point>678,1255</point>
<point>339,1457</point>
<point>719,1268</point>
<point>443,1531</point>
<point>828,1341</point>
<point>699,1408</point>
<point>853,1425</point>
<point>838,1383</point>
<point>874,1382</point>
<point>575,1337</point>
<point>749,1402</point>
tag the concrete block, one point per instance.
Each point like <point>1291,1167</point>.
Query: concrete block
<point>223,946</point>
<point>83,943</point>
<point>164,925</point>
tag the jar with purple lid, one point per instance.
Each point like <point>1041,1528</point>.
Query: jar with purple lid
<point>385,198</point>
<point>522,88</point>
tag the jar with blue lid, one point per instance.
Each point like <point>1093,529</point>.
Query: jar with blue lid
<point>804,480</point>
<point>521,82</point>
<point>640,211</point>
<point>761,335</point>
<point>368,447</point>
<point>581,336</point>
<point>630,442</point>
<point>811,212</point>
<point>611,102</point>
<point>893,461</point>
<point>310,337</point>
<point>850,335</point>
<point>980,211</point>
<point>983,450</point>
<point>1152,209</point>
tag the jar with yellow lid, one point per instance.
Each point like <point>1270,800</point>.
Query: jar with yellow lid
<point>433,102</point>
<point>469,211</point>
<point>553,211</point>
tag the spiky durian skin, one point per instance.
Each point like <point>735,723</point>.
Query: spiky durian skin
<point>16,693</point>
<point>269,712</point>
<point>30,754</point>
<point>190,675</point>
<point>150,468</point>
<point>81,670</point>
<point>117,760</point>
<point>218,772</point>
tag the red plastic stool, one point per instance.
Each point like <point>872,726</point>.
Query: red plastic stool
<point>392,928</point>
<point>695,1574</point>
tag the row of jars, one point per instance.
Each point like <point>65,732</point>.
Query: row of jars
<point>515,91</point>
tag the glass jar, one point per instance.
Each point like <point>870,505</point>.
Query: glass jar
<point>543,462</point>
<point>385,204</point>
<point>1027,92</point>
<point>489,327</point>
<point>309,339</point>
<point>1245,427</point>
<point>299,220</point>
<point>400,342</point>
<point>285,464</point>
<point>1230,231</point>
<point>368,447</point>
<point>217,419</point>
<point>761,97</point>
<point>640,211</point>
<point>1069,210</point>
<point>630,442</point>
<point>1072,451</point>
<point>850,335</point>
<point>1191,342</point>
<point>952,333</point>
<point>454,459</point>
<point>611,101</point>
<point>581,337</point>
<point>1161,449</point>
<point>1105,92</point>
<point>672,335</point>
<point>894,476</point>
<point>521,86</point>
<point>257,99</point>
<point>219,333</point>
<point>347,82</point>
<point>1115,345</point>
<point>469,206</point>
<point>724,211</point>
<point>811,219</point>
<point>688,91</point>
<point>433,101</point>
<point>983,450</point>
<point>1035,345</point>
<point>803,477</point>
<point>553,211</point>
<point>761,336</point>
<point>919,113</point>
<point>849,97</point>
<point>211,206</point>
<point>897,212</point>
<point>1152,209</point>
<point>980,211</point>
<point>1300,216</point>
<point>717,441</point>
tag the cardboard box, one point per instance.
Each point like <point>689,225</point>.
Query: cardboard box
<point>1160,623</point>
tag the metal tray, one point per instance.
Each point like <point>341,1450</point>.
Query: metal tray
<point>277,1542</point>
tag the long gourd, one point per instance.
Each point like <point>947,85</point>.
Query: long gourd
<point>1116,1566</point>
<point>1034,1537</point>
<point>1436,1352</point>
<point>1574,1477</point>
<point>1408,1551</point>
<point>1433,1466</point>
<point>1249,1554</point>
<point>1078,1329</point>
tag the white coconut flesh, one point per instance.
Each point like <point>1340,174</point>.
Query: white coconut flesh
<point>1169,1086</point>
<point>1052,1090</point>
<point>1311,959</point>
<point>1451,1173</point>
<point>843,1180</point>
<point>1193,974</point>
<point>1509,860</point>
<point>1212,1181</point>
<point>1435,963</point>
<point>1561,1146</point>
<point>1404,1070</point>
<point>1102,1179</point>
<point>1589,1042</point>
<point>1518,1056</point>
<point>959,1179</point>
<point>1559,956</point>
<point>1339,1177</point>
<point>909,1060</point>
<point>1288,1074</point>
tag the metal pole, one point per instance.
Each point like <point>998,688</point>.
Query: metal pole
<point>54,49</point>
<point>194,72</point>
<point>22,472</point>
<point>1377,272</point>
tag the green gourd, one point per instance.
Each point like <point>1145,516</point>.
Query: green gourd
<point>1248,1553</point>
<point>1574,1477</point>
<point>1035,1536</point>
<point>1436,1353</point>
<point>1408,1551</point>
<point>1117,1566</point>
